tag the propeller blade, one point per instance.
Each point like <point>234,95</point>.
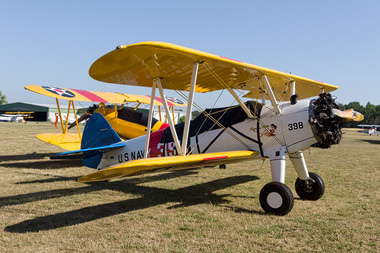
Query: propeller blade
<point>81,118</point>
<point>348,115</point>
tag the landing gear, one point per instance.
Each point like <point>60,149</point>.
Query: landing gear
<point>276,198</point>
<point>311,189</point>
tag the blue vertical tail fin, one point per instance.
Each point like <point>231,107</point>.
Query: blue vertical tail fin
<point>98,132</point>
<point>98,137</point>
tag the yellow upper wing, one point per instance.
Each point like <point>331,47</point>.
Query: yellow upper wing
<point>77,95</point>
<point>171,162</point>
<point>98,96</point>
<point>138,64</point>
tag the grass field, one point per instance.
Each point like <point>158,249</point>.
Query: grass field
<point>44,208</point>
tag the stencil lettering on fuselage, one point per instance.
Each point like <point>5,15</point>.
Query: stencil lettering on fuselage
<point>129,156</point>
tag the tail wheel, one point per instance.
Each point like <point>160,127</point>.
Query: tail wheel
<point>312,189</point>
<point>276,198</point>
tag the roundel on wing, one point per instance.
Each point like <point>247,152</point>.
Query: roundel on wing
<point>59,91</point>
<point>175,100</point>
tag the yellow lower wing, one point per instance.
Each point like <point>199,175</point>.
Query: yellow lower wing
<point>165,163</point>
<point>66,141</point>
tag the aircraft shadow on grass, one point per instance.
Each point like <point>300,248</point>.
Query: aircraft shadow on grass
<point>46,164</point>
<point>151,196</point>
<point>54,179</point>
<point>372,141</point>
<point>32,156</point>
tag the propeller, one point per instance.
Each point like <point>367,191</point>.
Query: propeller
<point>348,115</point>
<point>85,116</point>
<point>326,120</point>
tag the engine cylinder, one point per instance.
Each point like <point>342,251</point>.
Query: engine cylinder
<point>327,127</point>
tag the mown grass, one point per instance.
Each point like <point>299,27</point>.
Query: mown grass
<point>44,208</point>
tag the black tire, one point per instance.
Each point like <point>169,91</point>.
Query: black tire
<point>314,191</point>
<point>222,166</point>
<point>276,198</point>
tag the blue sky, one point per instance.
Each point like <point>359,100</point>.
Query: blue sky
<point>54,43</point>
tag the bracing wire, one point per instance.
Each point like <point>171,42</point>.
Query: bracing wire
<point>216,122</point>
<point>213,73</point>
<point>220,80</point>
<point>208,115</point>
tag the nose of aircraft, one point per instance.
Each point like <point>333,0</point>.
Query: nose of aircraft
<point>326,120</point>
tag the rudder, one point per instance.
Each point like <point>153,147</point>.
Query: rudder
<point>98,132</point>
<point>98,137</point>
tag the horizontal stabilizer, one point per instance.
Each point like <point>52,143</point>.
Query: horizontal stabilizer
<point>87,152</point>
<point>67,141</point>
<point>167,163</point>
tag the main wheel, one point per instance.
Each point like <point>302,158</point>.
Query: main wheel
<point>311,190</point>
<point>222,166</point>
<point>276,198</point>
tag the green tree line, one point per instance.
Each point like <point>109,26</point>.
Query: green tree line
<point>3,99</point>
<point>370,112</point>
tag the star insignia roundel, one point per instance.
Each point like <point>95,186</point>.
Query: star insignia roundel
<point>175,100</point>
<point>59,91</point>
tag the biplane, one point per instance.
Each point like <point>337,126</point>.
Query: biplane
<point>279,122</point>
<point>127,122</point>
<point>372,129</point>
<point>13,116</point>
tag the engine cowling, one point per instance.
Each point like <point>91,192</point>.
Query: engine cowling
<point>326,125</point>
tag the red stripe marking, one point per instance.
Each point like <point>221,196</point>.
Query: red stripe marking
<point>91,96</point>
<point>156,150</point>
<point>216,157</point>
<point>164,125</point>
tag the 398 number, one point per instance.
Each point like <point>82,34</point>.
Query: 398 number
<point>295,126</point>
